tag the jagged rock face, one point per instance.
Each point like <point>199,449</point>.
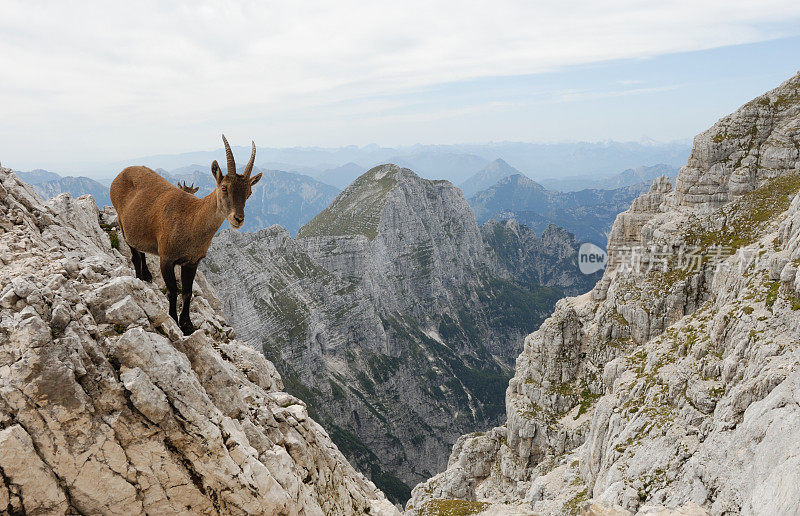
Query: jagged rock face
<point>550,260</point>
<point>105,407</point>
<point>414,242</point>
<point>389,316</point>
<point>741,150</point>
<point>674,382</point>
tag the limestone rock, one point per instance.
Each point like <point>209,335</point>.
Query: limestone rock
<point>106,408</point>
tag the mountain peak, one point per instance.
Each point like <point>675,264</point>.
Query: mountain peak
<point>521,180</point>
<point>487,176</point>
<point>356,211</point>
<point>500,163</point>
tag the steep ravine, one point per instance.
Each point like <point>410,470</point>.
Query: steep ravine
<point>675,382</point>
<point>394,316</point>
<point>106,408</point>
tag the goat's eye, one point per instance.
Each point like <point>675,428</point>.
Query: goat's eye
<point>224,188</point>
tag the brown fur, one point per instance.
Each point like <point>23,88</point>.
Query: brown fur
<point>156,217</point>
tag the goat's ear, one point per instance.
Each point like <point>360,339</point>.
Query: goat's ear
<point>255,179</point>
<point>216,172</point>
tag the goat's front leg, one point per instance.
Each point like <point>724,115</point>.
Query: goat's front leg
<point>168,273</point>
<point>187,280</point>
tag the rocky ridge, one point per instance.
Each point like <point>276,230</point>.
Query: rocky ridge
<point>105,407</point>
<point>672,387</point>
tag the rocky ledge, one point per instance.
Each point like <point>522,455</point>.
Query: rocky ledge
<point>105,407</point>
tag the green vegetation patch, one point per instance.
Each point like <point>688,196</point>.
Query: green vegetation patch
<point>354,449</point>
<point>357,210</point>
<point>587,399</point>
<point>573,506</point>
<point>452,508</point>
<point>512,306</point>
<point>746,217</point>
<point>742,222</point>
<point>112,235</point>
<point>772,294</point>
<point>383,367</point>
<point>337,391</point>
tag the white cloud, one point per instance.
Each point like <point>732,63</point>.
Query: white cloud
<point>579,95</point>
<point>99,80</point>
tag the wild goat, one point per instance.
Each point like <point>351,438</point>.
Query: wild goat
<point>158,218</point>
<point>186,188</point>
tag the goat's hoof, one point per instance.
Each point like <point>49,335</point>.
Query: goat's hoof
<point>187,328</point>
<point>146,276</point>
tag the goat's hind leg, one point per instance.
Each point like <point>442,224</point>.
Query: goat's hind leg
<point>146,275</point>
<point>140,265</point>
<point>137,261</point>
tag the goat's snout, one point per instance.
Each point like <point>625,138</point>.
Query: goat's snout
<point>238,219</point>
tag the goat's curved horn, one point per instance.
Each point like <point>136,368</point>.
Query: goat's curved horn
<point>249,167</point>
<point>229,154</point>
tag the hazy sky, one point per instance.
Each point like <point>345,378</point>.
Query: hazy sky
<point>88,82</point>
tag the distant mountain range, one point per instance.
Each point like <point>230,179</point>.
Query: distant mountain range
<point>342,176</point>
<point>35,177</point>
<point>631,176</point>
<point>49,184</point>
<point>588,214</point>
<point>452,166</point>
<point>453,162</point>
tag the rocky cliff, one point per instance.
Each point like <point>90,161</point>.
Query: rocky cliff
<point>105,407</point>
<point>415,247</point>
<point>551,259</point>
<point>393,316</point>
<point>675,382</point>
